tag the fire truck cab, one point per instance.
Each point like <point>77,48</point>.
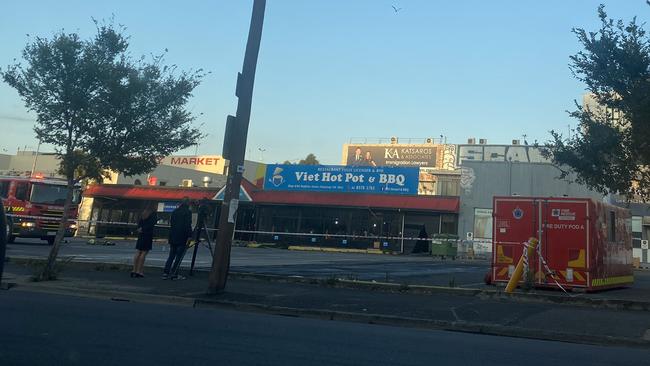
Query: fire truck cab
<point>34,207</point>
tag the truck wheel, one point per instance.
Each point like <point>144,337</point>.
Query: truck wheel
<point>10,238</point>
<point>50,240</point>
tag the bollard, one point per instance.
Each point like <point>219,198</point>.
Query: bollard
<point>516,275</point>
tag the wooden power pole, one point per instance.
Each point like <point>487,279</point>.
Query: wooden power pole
<point>234,149</point>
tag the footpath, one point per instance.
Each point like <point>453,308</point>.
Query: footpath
<point>591,321</point>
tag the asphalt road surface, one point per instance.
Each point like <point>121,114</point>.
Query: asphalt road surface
<point>42,329</point>
<point>403,269</point>
<point>410,269</point>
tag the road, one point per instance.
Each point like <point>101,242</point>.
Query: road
<point>42,329</point>
<point>402,269</point>
<point>390,268</point>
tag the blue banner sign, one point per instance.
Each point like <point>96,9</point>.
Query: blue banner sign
<point>335,178</point>
<point>168,206</point>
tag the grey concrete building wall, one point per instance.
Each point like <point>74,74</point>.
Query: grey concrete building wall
<point>46,164</point>
<point>482,180</point>
<point>5,160</point>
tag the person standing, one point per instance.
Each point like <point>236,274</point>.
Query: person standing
<point>422,245</point>
<point>179,232</point>
<point>146,225</point>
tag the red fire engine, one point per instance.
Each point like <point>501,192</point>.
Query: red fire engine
<point>34,207</point>
<point>582,243</point>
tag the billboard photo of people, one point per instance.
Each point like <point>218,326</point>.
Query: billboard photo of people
<point>357,158</point>
<point>391,155</point>
<point>361,158</point>
<point>368,159</point>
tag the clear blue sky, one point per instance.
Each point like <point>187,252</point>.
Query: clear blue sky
<point>330,70</point>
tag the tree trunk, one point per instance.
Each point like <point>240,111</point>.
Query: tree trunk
<point>49,272</point>
<point>3,239</point>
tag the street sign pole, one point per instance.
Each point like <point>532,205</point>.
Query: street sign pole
<point>234,150</point>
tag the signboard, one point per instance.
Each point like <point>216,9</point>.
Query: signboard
<point>334,178</point>
<point>203,163</point>
<point>167,206</point>
<point>392,155</point>
<point>243,195</point>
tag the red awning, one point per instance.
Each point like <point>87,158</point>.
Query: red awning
<point>149,192</point>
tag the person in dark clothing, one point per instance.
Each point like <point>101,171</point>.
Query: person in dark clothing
<point>179,232</point>
<point>422,245</point>
<point>146,225</point>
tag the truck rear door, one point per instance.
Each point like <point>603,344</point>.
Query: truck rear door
<point>564,243</point>
<point>515,221</point>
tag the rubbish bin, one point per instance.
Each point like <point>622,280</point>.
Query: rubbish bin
<point>444,245</point>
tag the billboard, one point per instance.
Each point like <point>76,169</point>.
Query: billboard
<point>391,155</point>
<point>335,178</point>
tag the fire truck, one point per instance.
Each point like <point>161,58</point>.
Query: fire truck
<point>34,207</point>
<point>583,243</point>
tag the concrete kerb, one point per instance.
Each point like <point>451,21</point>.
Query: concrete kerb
<point>560,299</point>
<point>457,326</point>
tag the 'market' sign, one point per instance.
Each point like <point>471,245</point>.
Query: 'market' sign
<point>334,178</point>
<point>204,163</point>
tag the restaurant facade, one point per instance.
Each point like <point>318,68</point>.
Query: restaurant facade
<point>325,206</point>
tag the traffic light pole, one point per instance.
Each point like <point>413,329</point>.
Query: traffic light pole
<point>234,150</point>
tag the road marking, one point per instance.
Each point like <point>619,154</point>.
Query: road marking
<point>472,284</point>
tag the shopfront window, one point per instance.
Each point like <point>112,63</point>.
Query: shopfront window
<point>279,219</point>
<point>637,224</point>
<point>448,224</point>
<point>360,222</point>
<point>483,223</point>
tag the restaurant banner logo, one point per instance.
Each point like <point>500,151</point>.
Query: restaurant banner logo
<point>335,178</point>
<point>392,155</point>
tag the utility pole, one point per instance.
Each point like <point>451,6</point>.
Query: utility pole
<point>38,149</point>
<point>3,239</point>
<point>234,149</point>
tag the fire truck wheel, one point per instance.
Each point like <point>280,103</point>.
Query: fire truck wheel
<point>10,238</point>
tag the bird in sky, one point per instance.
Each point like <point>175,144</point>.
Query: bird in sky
<point>396,9</point>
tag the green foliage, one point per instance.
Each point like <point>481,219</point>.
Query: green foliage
<point>310,159</point>
<point>100,108</point>
<point>608,154</point>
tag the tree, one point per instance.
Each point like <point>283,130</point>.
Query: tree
<point>610,150</point>
<point>101,109</point>
<point>310,159</point>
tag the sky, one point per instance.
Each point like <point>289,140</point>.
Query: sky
<point>334,70</point>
